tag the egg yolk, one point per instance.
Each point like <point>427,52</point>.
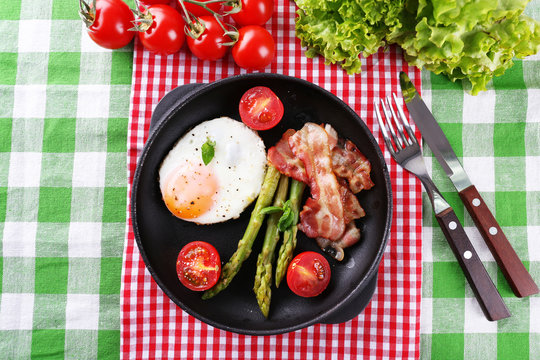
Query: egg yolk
<point>189,191</point>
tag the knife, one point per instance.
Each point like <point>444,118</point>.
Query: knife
<point>511,266</point>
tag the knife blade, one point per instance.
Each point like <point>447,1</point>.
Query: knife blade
<point>511,266</point>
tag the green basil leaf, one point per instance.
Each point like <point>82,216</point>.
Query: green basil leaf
<point>207,151</point>
<point>287,218</point>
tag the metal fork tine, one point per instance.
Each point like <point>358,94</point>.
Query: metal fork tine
<point>399,125</point>
<point>388,116</point>
<point>404,120</point>
<point>383,129</point>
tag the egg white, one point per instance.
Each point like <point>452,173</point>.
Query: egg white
<point>239,163</point>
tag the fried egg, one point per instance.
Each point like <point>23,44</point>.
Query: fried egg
<point>222,189</point>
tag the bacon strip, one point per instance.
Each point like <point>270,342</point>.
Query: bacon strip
<point>312,219</point>
<point>324,212</point>
<point>351,207</point>
<point>349,163</point>
<point>283,159</point>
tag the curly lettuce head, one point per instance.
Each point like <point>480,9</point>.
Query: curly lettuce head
<point>473,40</point>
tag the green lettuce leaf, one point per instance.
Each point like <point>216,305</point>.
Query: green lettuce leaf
<point>342,30</point>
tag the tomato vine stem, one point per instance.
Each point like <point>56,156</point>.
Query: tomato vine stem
<point>195,28</point>
<point>143,20</point>
<point>87,12</point>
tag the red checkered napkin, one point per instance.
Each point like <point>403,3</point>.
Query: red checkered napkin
<point>152,326</point>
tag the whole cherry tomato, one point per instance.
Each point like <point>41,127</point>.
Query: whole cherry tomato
<point>254,48</point>
<point>198,266</point>
<point>209,44</point>
<point>198,10</point>
<point>254,12</point>
<point>260,108</point>
<point>165,34</point>
<point>308,274</point>
<point>154,2</point>
<point>143,3</point>
<point>108,23</point>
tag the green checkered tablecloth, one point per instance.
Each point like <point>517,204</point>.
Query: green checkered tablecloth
<point>64,105</point>
<point>497,136</point>
<point>504,121</point>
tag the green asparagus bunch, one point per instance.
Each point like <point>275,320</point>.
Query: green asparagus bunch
<point>231,268</point>
<point>263,276</point>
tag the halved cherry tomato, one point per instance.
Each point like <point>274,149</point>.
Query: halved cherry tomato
<point>198,10</point>
<point>165,35</point>
<point>108,25</point>
<point>254,49</point>
<point>254,12</point>
<point>209,45</point>
<point>308,274</point>
<point>260,108</point>
<point>198,266</point>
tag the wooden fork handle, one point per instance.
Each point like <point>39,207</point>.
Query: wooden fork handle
<point>511,266</point>
<point>485,291</point>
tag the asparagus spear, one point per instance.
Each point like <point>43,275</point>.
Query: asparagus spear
<point>263,276</point>
<point>231,268</point>
<point>289,236</point>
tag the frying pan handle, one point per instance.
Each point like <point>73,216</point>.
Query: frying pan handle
<point>176,95</point>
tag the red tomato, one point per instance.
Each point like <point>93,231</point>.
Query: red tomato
<point>254,12</point>
<point>143,3</point>
<point>260,108</point>
<point>209,45</point>
<point>154,2</point>
<point>165,35</point>
<point>198,266</point>
<point>110,24</point>
<point>197,10</point>
<point>308,274</point>
<point>254,48</point>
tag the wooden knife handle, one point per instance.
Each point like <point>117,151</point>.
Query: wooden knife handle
<point>511,266</point>
<point>486,293</point>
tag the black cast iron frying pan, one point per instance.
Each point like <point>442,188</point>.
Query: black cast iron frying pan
<point>160,236</point>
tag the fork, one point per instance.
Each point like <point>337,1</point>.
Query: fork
<point>406,152</point>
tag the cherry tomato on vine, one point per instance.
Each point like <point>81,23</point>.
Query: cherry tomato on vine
<point>209,44</point>
<point>154,2</point>
<point>260,108</point>
<point>308,274</point>
<point>198,266</point>
<point>108,22</point>
<point>198,10</point>
<point>254,48</point>
<point>161,29</point>
<point>254,12</point>
<point>143,3</point>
